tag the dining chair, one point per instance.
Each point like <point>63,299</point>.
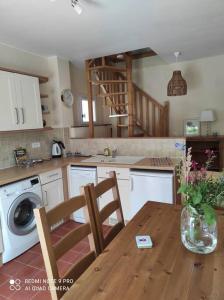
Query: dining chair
<point>51,253</point>
<point>100,216</point>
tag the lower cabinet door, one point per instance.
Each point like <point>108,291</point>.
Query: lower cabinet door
<point>52,194</point>
<point>1,243</point>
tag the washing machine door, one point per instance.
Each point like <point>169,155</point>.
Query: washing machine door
<point>21,219</point>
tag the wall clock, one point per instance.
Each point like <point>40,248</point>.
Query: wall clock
<point>67,97</point>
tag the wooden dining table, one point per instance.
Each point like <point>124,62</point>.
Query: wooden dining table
<point>167,271</point>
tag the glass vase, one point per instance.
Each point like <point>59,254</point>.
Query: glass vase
<point>196,235</point>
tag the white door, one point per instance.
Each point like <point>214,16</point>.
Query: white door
<point>9,112</point>
<point>52,194</point>
<point>29,104</point>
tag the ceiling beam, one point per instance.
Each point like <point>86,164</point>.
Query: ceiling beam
<point>142,55</point>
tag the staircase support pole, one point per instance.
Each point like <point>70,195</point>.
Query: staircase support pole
<point>90,100</point>
<point>130,96</point>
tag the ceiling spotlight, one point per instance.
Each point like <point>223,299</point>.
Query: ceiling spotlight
<point>76,5</point>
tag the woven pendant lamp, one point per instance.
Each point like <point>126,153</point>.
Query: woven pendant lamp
<point>177,85</point>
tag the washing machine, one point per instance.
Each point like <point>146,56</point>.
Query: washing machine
<point>17,201</point>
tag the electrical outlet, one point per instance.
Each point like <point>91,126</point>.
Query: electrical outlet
<point>36,145</point>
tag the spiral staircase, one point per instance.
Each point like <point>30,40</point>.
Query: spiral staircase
<point>136,112</point>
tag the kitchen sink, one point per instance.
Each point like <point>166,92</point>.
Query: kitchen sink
<point>117,160</point>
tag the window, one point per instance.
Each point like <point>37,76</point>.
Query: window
<point>85,111</point>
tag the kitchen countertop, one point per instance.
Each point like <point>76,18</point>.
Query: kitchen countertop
<point>13,174</point>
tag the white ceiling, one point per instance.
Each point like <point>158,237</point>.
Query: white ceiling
<point>194,27</point>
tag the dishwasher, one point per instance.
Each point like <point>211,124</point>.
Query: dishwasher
<point>78,177</point>
<point>149,186</point>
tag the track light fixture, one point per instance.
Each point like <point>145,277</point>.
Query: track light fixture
<point>76,5</point>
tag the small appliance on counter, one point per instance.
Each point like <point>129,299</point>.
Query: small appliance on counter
<point>20,155</point>
<point>23,159</point>
<point>57,148</point>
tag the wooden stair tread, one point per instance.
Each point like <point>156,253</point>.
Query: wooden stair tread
<point>119,115</point>
<point>122,125</point>
<point>107,81</point>
<point>118,105</point>
<point>112,94</point>
<point>111,68</point>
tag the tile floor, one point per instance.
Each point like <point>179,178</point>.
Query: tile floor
<point>30,265</point>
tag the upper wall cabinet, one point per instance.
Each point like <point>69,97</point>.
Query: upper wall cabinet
<point>20,105</point>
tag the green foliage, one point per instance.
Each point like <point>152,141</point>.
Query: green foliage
<point>203,195</point>
<point>201,192</point>
<point>209,213</point>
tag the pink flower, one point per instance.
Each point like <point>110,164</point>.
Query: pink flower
<point>194,165</point>
<point>209,153</point>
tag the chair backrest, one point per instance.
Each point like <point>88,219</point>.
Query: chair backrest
<point>51,253</point>
<point>114,206</point>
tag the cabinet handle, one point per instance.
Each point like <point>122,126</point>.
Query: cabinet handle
<point>52,175</point>
<point>17,115</point>
<point>45,200</point>
<point>23,115</point>
<point>131,184</point>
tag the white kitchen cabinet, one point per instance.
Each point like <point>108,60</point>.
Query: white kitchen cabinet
<point>20,105</point>
<point>29,104</point>
<point>123,186</point>
<point>52,188</point>
<point>53,194</point>
<point>9,111</point>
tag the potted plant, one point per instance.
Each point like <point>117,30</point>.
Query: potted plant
<point>201,193</point>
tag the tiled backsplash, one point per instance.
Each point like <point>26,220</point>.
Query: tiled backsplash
<point>153,147</point>
<point>8,142</point>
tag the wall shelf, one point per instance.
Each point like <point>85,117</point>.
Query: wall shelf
<point>43,96</point>
<point>26,130</point>
<point>200,144</point>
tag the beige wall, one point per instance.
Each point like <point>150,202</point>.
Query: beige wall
<point>23,61</point>
<point>57,70</point>
<point>59,79</point>
<point>205,88</point>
